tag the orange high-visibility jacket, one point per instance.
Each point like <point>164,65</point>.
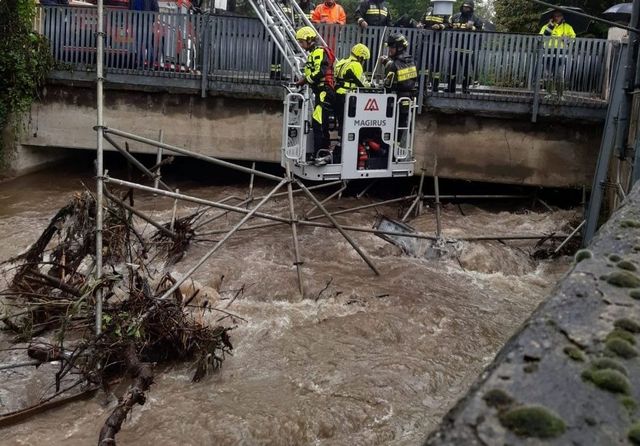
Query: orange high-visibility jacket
<point>326,14</point>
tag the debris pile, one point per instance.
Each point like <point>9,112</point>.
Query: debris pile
<point>50,305</point>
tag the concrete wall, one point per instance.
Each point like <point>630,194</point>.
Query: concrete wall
<point>18,159</point>
<point>571,375</point>
<point>467,147</point>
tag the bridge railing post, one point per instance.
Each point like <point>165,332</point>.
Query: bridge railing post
<point>537,79</point>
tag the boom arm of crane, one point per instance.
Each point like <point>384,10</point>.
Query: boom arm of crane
<point>282,30</point>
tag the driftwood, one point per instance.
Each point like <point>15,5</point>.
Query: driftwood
<point>53,290</point>
<point>143,378</point>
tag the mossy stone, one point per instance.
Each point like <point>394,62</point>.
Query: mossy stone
<point>497,398</point>
<point>634,434</point>
<point>533,421</point>
<point>627,265</point>
<point>630,223</point>
<point>583,254</point>
<point>635,294</point>
<point>627,324</point>
<point>609,380</point>
<point>629,403</point>
<point>608,363</point>
<point>622,334</point>
<point>574,353</point>
<point>623,279</point>
<point>615,258</point>
<point>621,348</point>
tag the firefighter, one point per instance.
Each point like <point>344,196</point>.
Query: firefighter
<point>276,57</point>
<point>374,13</point>
<point>401,76</point>
<point>465,20</point>
<point>307,7</point>
<point>318,74</point>
<point>349,74</point>
<point>435,22</point>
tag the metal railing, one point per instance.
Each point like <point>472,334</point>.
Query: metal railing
<point>238,49</point>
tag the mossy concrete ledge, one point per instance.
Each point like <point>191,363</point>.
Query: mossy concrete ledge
<point>571,374</point>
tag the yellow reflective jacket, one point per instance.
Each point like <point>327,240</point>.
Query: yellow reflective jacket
<point>557,33</point>
<point>349,75</point>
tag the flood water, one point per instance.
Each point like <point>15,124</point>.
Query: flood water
<point>361,359</point>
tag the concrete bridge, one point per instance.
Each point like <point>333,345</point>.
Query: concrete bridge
<point>208,82</point>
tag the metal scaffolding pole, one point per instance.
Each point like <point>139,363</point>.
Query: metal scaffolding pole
<point>294,231</point>
<point>336,225</point>
<point>99,163</point>
<point>217,246</point>
<point>199,156</point>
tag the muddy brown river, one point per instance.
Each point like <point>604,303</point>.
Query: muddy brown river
<point>361,360</point>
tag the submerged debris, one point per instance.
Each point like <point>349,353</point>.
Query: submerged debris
<point>53,292</point>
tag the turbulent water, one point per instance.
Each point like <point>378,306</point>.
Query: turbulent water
<point>361,360</point>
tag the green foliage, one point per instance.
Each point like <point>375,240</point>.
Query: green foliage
<point>634,434</point>
<point>497,398</point>
<point>25,58</point>
<point>608,363</point>
<point>627,324</point>
<point>623,279</point>
<point>583,254</point>
<point>609,380</point>
<point>522,16</point>
<point>629,403</point>
<point>621,348</point>
<point>627,265</point>
<point>622,334</point>
<point>574,353</point>
<point>533,421</point>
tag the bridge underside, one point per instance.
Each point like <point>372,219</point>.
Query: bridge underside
<point>469,147</point>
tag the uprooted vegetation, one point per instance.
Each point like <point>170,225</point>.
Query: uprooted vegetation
<point>50,302</point>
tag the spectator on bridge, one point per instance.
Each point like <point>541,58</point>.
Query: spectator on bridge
<point>318,74</point>
<point>374,13</point>
<point>349,77</point>
<point>329,12</point>
<point>463,56</point>
<point>307,7</point>
<point>554,59</point>
<point>436,53</point>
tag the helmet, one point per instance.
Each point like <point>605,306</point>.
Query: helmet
<point>306,33</point>
<point>361,51</point>
<point>468,3</point>
<point>397,41</point>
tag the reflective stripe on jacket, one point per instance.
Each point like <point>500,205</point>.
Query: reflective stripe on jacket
<point>349,75</point>
<point>374,13</point>
<point>318,71</point>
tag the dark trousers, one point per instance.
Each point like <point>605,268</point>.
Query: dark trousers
<point>324,99</point>
<point>461,66</point>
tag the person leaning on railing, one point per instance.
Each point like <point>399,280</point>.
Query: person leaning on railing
<point>373,13</point>
<point>463,59</point>
<point>350,76</point>
<point>307,7</point>
<point>318,74</point>
<point>436,22</point>
<point>557,30</point>
<point>329,12</point>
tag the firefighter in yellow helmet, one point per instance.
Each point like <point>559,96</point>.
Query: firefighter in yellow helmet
<point>350,76</point>
<point>318,74</point>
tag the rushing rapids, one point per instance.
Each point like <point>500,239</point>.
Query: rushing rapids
<point>361,359</point>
